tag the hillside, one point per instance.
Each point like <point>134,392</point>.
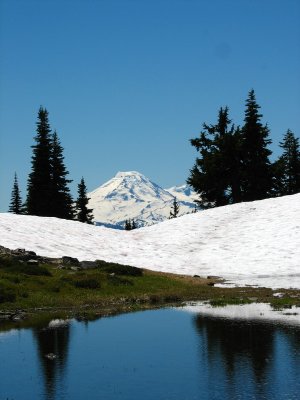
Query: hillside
<point>254,243</point>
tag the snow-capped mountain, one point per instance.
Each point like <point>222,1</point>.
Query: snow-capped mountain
<point>183,193</point>
<point>131,195</point>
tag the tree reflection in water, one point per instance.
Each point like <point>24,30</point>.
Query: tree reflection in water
<point>249,353</point>
<point>53,341</point>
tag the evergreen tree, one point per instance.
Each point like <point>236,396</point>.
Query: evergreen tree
<point>174,209</point>
<point>83,214</point>
<point>16,201</point>
<point>39,187</point>
<point>195,210</point>
<point>216,175</point>
<point>62,202</point>
<point>130,224</point>
<point>287,167</point>
<point>127,226</point>
<point>257,173</point>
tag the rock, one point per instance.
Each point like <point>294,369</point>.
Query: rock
<point>17,318</point>
<point>70,260</point>
<point>19,251</point>
<point>75,268</point>
<point>31,253</point>
<point>5,315</point>
<point>88,264</point>
<point>48,260</point>
<point>4,250</point>
<point>32,262</point>
<point>24,255</point>
<point>196,276</point>
<point>58,323</point>
<point>213,277</point>
<point>51,356</point>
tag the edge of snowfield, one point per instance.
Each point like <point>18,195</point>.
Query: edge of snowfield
<point>255,243</point>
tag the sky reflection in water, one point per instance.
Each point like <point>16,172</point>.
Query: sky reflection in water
<point>164,354</point>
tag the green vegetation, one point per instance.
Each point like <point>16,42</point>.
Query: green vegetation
<point>115,288</point>
<point>119,269</point>
<point>87,283</point>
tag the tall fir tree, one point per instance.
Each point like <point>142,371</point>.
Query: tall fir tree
<point>39,187</point>
<point>174,209</point>
<point>83,214</point>
<point>16,201</point>
<point>287,167</point>
<point>62,202</point>
<point>216,175</point>
<point>257,172</point>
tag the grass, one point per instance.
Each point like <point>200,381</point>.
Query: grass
<point>115,287</point>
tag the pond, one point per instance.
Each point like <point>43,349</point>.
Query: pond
<point>166,354</point>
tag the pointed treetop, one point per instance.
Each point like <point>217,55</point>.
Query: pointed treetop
<point>84,214</point>
<point>251,112</point>
<point>15,206</point>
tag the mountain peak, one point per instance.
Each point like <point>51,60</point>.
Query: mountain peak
<point>131,195</point>
<point>125,174</point>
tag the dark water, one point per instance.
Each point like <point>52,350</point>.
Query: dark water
<point>165,354</point>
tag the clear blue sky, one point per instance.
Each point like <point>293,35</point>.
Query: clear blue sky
<point>128,83</point>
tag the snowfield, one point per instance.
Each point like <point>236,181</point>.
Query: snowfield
<point>255,243</point>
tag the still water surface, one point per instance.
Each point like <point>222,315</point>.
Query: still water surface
<point>152,355</point>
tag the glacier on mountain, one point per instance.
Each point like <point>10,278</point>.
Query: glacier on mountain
<point>131,195</point>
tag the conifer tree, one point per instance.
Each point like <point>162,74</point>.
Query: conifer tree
<point>287,167</point>
<point>83,214</point>
<point>195,210</point>
<point>130,224</point>
<point>127,226</point>
<point>216,175</point>
<point>16,201</point>
<point>39,187</point>
<point>257,174</point>
<point>62,202</point>
<point>174,209</point>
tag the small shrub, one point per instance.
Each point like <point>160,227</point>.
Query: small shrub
<point>55,289</point>
<point>5,261</point>
<point>117,281</point>
<point>13,278</point>
<point>88,283</point>
<point>7,294</point>
<point>15,266</point>
<point>172,298</point>
<point>119,269</point>
<point>26,269</point>
<point>154,299</point>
